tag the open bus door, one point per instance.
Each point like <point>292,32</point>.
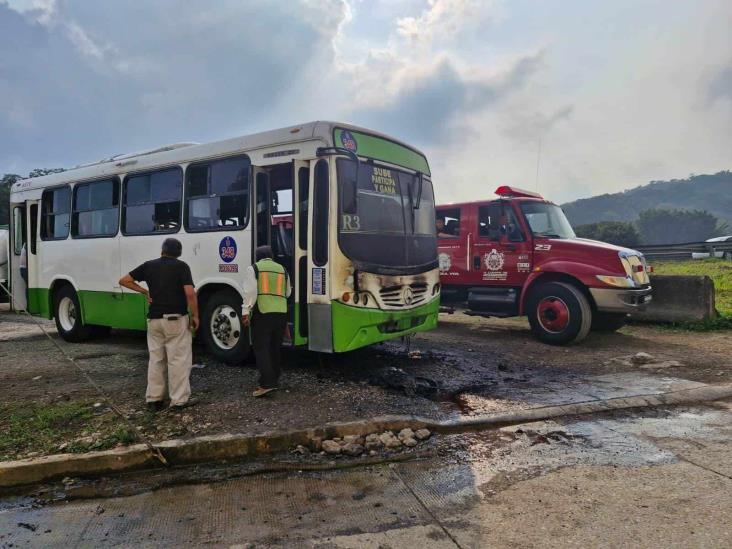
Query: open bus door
<point>34,305</point>
<point>300,204</point>
<point>18,237</point>
<point>320,328</point>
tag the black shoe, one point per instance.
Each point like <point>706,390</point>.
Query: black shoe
<point>155,406</point>
<point>178,407</point>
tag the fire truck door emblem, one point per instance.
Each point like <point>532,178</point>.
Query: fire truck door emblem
<point>444,262</point>
<point>494,260</point>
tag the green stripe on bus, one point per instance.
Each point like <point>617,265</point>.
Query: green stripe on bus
<point>355,327</point>
<point>388,151</point>
<point>115,309</point>
<point>39,302</point>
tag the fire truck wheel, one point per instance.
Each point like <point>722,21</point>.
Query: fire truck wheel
<point>559,313</point>
<point>225,336</point>
<point>67,313</point>
<point>608,322</point>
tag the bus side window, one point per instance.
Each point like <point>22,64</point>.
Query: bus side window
<point>151,202</point>
<point>56,211</point>
<point>217,195</point>
<point>321,199</point>
<point>303,177</point>
<point>33,228</point>
<point>96,209</point>
<point>19,227</point>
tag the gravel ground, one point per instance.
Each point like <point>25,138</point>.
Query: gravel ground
<point>439,375</point>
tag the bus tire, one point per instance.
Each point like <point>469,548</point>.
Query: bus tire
<point>221,328</point>
<point>559,313</point>
<point>67,313</point>
<point>608,322</point>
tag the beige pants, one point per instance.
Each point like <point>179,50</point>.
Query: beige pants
<point>169,343</point>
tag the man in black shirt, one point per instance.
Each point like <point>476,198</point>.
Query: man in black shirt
<point>170,296</point>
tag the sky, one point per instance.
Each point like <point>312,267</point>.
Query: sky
<point>572,98</point>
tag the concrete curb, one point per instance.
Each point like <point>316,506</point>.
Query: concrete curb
<point>237,446</point>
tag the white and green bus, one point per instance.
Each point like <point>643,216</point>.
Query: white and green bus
<point>349,212</point>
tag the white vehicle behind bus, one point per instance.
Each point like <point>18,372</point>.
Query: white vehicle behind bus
<point>4,259</point>
<point>348,212</point>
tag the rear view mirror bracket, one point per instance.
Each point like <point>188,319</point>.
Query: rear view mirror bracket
<point>420,182</point>
<point>350,194</point>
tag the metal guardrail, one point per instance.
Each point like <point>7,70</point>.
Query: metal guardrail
<point>682,251</point>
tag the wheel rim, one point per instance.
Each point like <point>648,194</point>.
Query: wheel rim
<point>553,314</point>
<point>225,327</point>
<point>67,313</point>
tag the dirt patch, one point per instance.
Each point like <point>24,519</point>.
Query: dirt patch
<point>701,356</point>
<point>469,365</point>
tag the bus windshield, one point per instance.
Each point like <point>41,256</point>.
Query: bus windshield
<point>383,228</point>
<point>547,220</point>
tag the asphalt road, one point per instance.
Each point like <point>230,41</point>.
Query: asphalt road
<point>661,479</point>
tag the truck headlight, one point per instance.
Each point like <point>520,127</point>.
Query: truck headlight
<point>617,281</point>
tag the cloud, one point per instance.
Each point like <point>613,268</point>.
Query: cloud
<point>619,93</point>
<point>721,85</point>
<point>430,104</point>
<point>75,88</point>
<point>442,16</point>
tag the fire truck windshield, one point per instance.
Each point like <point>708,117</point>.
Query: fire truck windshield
<point>379,224</point>
<point>547,220</point>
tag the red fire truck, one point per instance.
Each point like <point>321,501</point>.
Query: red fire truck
<point>518,255</point>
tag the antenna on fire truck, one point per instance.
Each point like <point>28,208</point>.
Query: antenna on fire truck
<point>538,159</point>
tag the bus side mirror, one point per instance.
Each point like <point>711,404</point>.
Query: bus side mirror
<point>349,195</point>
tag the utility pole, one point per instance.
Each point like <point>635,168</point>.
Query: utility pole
<point>538,159</point>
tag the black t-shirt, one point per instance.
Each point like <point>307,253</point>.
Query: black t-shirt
<point>165,279</point>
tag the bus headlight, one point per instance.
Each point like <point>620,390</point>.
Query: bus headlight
<point>617,281</point>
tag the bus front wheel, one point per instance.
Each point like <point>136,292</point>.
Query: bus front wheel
<point>559,313</point>
<point>67,313</point>
<point>225,336</point>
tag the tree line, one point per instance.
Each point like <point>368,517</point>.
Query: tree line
<point>657,226</point>
<point>8,180</point>
<point>709,192</point>
<point>653,225</point>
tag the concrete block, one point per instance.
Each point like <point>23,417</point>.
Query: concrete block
<point>679,299</point>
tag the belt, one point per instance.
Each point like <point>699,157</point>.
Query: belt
<point>172,317</point>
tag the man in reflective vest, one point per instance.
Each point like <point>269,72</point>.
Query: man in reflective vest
<point>266,289</point>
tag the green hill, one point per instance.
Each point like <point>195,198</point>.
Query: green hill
<point>712,193</point>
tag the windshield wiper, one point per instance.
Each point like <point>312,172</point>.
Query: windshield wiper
<point>548,235</point>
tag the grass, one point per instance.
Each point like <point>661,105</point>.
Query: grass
<point>43,428</point>
<point>720,272</point>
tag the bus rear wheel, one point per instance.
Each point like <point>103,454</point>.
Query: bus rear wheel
<point>222,330</point>
<point>67,313</point>
<point>559,313</point>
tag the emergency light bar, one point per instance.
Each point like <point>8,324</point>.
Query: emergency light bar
<point>505,190</point>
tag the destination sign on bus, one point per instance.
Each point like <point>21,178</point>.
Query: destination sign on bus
<point>383,181</point>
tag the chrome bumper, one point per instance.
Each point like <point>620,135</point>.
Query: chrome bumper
<point>612,300</point>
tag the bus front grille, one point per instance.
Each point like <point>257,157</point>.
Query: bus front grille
<point>404,296</point>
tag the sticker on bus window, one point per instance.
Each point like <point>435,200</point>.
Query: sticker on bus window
<point>318,281</point>
<point>383,181</point>
<point>348,141</point>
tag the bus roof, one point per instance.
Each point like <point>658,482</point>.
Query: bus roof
<point>190,152</point>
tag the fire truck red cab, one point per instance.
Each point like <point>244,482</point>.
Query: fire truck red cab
<point>518,255</point>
